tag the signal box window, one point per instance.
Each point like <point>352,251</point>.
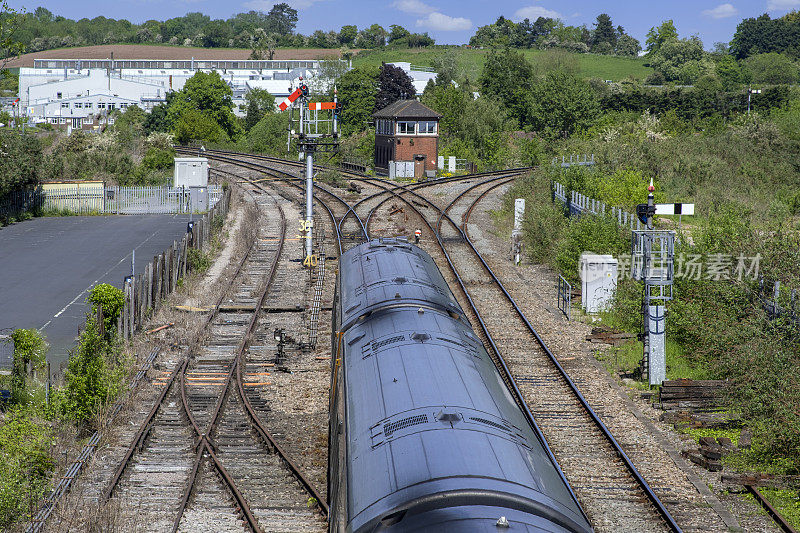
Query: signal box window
<point>408,128</point>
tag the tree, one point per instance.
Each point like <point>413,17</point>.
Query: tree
<point>348,34</point>
<point>372,37</point>
<point>393,85</point>
<point>195,125</point>
<point>680,60</point>
<point>258,103</point>
<point>209,94</point>
<point>281,19</point>
<point>10,23</point>
<point>772,68</point>
<point>604,32</point>
<point>563,104</point>
<point>447,69</point>
<point>262,44</point>
<point>507,76</point>
<point>763,35</point>
<point>20,162</point>
<point>657,36</point>
<point>216,34</point>
<point>628,46</point>
<point>357,91</point>
<point>268,135</point>
<point>729,72</point>
<point>397,32</point>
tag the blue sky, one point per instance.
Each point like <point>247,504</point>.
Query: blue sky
<point>449,21</point>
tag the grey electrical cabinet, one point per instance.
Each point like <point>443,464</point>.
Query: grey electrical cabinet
<point>598,281</point>
<point>191,172</point>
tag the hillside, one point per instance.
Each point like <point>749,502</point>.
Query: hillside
<point>472,60</point>
<point>144,51</point>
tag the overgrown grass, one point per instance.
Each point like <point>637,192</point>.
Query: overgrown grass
<point>787,502</point>
<point>471,61</point>
<point>625,359</point>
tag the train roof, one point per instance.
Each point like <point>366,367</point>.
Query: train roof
<point>427,409</point>
<point>384,273</point>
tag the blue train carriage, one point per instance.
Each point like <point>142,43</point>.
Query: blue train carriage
<point>424,434</point>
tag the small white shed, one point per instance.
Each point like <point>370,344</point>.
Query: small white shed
<point>191,172</point>
<point>598,281</point>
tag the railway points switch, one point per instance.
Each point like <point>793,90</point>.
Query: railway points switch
<point>598,281</point>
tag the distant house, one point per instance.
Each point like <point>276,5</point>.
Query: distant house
<point>407,131</point>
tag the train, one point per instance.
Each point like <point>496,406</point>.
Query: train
<point>424,433</point>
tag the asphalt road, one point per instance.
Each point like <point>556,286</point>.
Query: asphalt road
<point>48,265</point>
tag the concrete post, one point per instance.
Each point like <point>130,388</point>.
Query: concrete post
<point>516,234</point>
<point>309,204</point>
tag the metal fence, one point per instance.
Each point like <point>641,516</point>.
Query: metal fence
<point>778,302</point>
<point>565,297</point>
<point>13,204</point>
<point>112,200</point>
<point>579,204</point>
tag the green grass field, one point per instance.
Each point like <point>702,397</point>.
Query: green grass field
<point>471,60</point>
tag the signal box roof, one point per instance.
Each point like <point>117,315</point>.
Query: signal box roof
<point>407,109</point>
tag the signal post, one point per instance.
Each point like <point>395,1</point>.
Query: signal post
<point>311,132</point>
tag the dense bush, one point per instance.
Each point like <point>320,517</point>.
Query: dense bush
<point>94,375</point>
<point>30,350</point>
<point>20,161</point>
<point>111,299</point>
<point>25,464</point>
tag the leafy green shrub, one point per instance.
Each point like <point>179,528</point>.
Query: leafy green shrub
<point>589,233</point>
<point>197,260</point>
<point>763,373</point>
<point>112,299</point>
<point>29,349</point>
<point>158,159</point>
<point>94,375</point>
<point>217,222</point>
<point>198,126</point>
<point>25,465</point>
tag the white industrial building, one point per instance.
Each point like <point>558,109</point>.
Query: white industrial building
<point>73,93</point>
<point>420,76</point>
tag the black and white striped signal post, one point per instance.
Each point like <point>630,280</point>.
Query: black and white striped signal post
<point>653,254</point>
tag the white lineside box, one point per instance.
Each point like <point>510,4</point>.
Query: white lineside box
<point>598,281</point>
<point>191,172</point>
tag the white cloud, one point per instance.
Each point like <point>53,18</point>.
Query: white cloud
<point>440,22</point>
<point>722,11</point>
<point>534,12</point>
<point>413,6</point>
<point>266,5</point>
<point>780,5</point>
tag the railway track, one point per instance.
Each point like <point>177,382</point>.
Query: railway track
<point>613,493</point>
<point>204,450</point>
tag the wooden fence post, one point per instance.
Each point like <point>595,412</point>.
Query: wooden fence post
<point>101,327</point>
<point>185,251</point>
<point>157,283</point>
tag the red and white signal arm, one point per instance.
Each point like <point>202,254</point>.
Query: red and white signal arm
<point>292,97</point>
<point>318,106</point>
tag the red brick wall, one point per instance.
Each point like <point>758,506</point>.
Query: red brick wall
<point>428,145</point>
